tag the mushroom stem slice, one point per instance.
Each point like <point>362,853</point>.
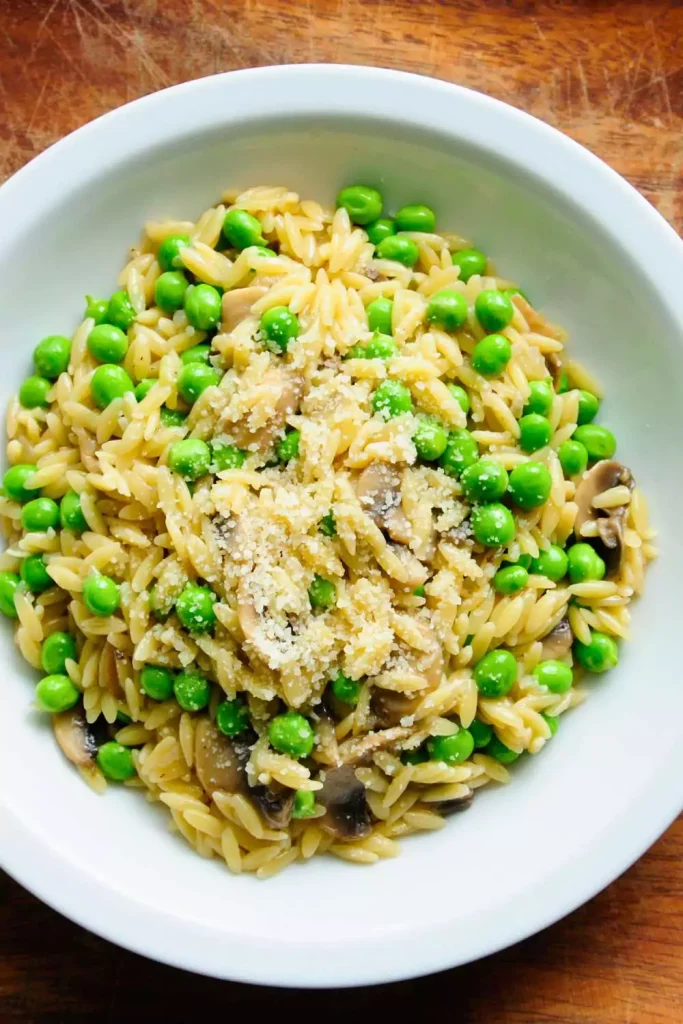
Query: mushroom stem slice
<point>347,815</point>
<point>236,305</point>
<point>378,489</point>
<point>557,642</point>
<point>609,521</point>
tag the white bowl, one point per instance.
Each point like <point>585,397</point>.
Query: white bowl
<point>600,260</point>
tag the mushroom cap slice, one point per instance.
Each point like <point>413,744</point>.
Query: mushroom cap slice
<point>74,736</point>
<point>236,305</point>
<point>557,642</point>
<point>610,522</point>
<point>347,815</point>
<point>284,390</point>
<point>448,807</point>
<point>378,489</point>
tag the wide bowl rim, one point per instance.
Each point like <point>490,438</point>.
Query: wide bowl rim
<point>345,91</point>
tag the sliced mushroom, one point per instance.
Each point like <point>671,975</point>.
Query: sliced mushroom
<point>379,491</point>
<point>75,736</point>
<point>609,521</point>
<point>347,815</point>
<point>557,642</point>
<point>389,706</point>
<point>236,305</point>
<point>221,763</point>
<point>287,389</point>
<point>448,807</point>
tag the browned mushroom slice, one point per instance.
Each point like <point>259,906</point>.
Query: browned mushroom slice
<point>389,707</point>
<point>75,737</point>
<point>379,491</point>
<point>557,642</point>
<point>448,807</point>
<point>609,521</point>
<point>221,763</point>
<point>236,305</point>
<point>347,815</point>
<point>283,390</point>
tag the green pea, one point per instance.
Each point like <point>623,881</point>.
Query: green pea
<point>461,451</point>
<point>116,761</point>
<point>430,439</point>
<point>196,354</point>
<point>291,734</point>
<point>169,252</point>
<point>202,305</point>
<point>380,346</point>
<point>108,343</point>
<point>420,591</point>
<point>541,397</point>
<point>510,579</point>
<point>109,382</point>
<point>39,515</point>
<point>279,327</point>
<point>417,756</point>
<point>56,693</point>
<point>190,458</point>
<point>322,593</point>
<point>101,595</point>
<point>534,432</point>
<point>491,355</point>
<point>552,721</point>
<point>264,251</point>
<point>599,442</point>
<point>448,309</point>
<point>562,385</point>
<point>496,673</point>
<point>287,447</point>
<point>461,397</point>
<point>573,457</point>
<point>143,388</point>
<point>494,310</point>
<point>160,609</point>
<point>226,456</point>
<point>51,356</point>
<point>481,733</point>
<point>242,229</point>
<point>56,650</point>
<point>304,804</point>
<point>362,203</point>
<point>584,563</point>
<point>492,525</point>
<point>9,581</point>
<point>120,311</point>
<point>600,655</point>
<point>380,229</point>
<point>33,392</point>
<point>156,682</point>
<point>470,261</point>
<point>194,608</point>
<point>588,406</point>
<point>399,249</point>
<point>96,309</point>
<point>346,690</point>
<point>14,482</point>
<point>497,749</point>
<point>232,717</point>
<point>484,481</point>
<point>192,690</point>
<point>194,378</point>
<point>555,675</point>
<point>416,218</point>
<point>524,561</point>
<point>172,417</point>
<point>169,290</point>
<point>451,749</point>
<point>551,563</point>
<point>328,526</point>
<point>379,315</point>
<point>530,485</point>
<point>34,574</point>
<point>392,398</point>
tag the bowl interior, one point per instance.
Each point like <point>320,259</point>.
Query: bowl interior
<point>516,845</point>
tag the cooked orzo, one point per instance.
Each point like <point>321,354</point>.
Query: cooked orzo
<point>311,531</point>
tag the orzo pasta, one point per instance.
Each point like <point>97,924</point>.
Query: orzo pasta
<point>310,528</point>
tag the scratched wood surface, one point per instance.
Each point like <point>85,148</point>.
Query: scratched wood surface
<point>609,74</point>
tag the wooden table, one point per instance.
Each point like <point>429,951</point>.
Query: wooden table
<point>608,73</point>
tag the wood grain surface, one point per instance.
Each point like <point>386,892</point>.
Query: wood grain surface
<point>610,75</point>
